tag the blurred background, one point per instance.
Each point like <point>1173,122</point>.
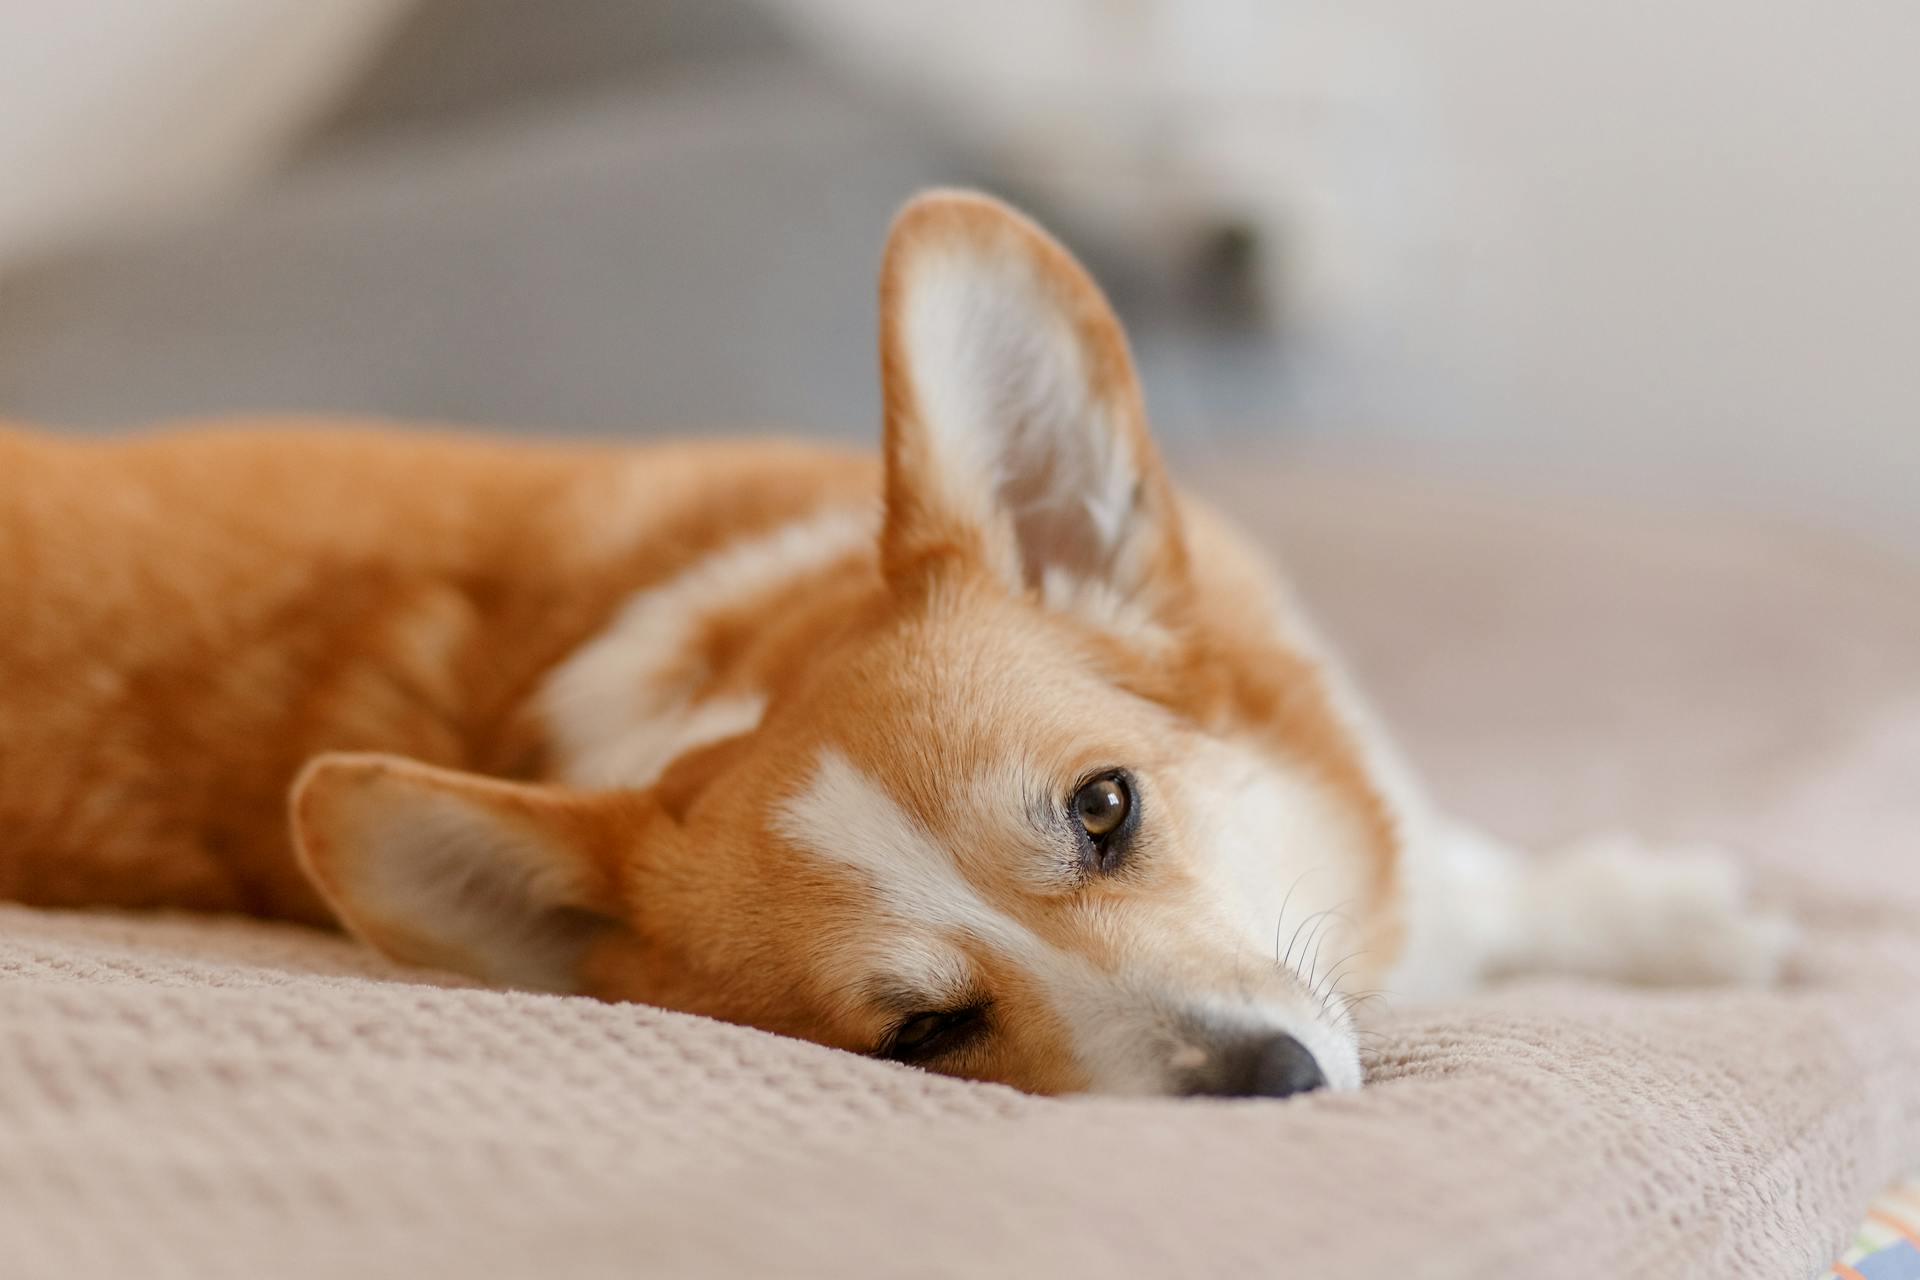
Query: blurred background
<point>1669,252</point>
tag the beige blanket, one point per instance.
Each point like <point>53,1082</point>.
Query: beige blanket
<point>214,1098</point>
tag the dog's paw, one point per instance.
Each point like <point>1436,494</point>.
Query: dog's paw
<point>1614,908</point>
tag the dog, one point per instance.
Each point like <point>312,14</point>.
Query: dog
<point>996,755</point>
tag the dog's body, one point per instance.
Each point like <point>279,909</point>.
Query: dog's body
<point>194,614</point>
<point>996,756</point>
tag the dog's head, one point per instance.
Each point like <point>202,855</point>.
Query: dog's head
<point>1028,808</point>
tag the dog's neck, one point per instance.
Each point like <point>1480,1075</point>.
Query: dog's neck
<point>693,660</point>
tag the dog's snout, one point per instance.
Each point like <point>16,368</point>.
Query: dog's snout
<point>1264,1066</point>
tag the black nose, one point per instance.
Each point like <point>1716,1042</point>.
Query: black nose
<point>1268,1066</point>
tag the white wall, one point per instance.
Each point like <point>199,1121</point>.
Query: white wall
<point>1667,248</point>
<point>1685,248</point>
<point>113,112</point>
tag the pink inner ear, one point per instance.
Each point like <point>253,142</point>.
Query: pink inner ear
<point>1066,519</point>
<point>476,889</point>
<point>1016,414</point>
<point>437,868</point>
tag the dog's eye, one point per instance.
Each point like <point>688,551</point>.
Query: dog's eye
<point>1102,805</point>
<point>926,1035</point>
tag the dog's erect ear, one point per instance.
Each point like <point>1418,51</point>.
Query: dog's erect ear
<point>507,882</point>
<point>1014,426</point>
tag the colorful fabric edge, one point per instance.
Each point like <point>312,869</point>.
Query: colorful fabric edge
<point>1887,1246</point>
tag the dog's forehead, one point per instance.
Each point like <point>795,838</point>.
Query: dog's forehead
<point>929,917</point>
<point>973,771</point>
<point>1001,705</point>
<point>849,815</point>
<point>994,877</point>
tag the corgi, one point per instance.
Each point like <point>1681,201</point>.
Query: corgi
<point>996,755</point>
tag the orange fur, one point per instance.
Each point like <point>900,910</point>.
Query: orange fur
<point>195,613</point>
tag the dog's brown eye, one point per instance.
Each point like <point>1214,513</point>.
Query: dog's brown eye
<point>912,1035</point>
<point>928,1035</point>
<point>1102,806</point>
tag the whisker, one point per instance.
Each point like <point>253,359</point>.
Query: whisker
<point>1354,1002</point>
<point>1281,920</point>
<point>1335,968</point>
<point>1318,915</point>
<point>1287,962</point>
<point>1318,938</point>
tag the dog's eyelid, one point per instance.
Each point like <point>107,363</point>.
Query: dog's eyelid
<point>947,1030</point>
<point>897,1001</point>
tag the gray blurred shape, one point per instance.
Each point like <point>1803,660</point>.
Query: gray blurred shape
<point>647,216</point>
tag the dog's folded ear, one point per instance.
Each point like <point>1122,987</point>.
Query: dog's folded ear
<point>507,882</point>
<point>1015,432</point>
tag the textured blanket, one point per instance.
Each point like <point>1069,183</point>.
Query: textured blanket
<point>210,1098</point>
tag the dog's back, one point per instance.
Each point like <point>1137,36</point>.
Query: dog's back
<point>190,615</point>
